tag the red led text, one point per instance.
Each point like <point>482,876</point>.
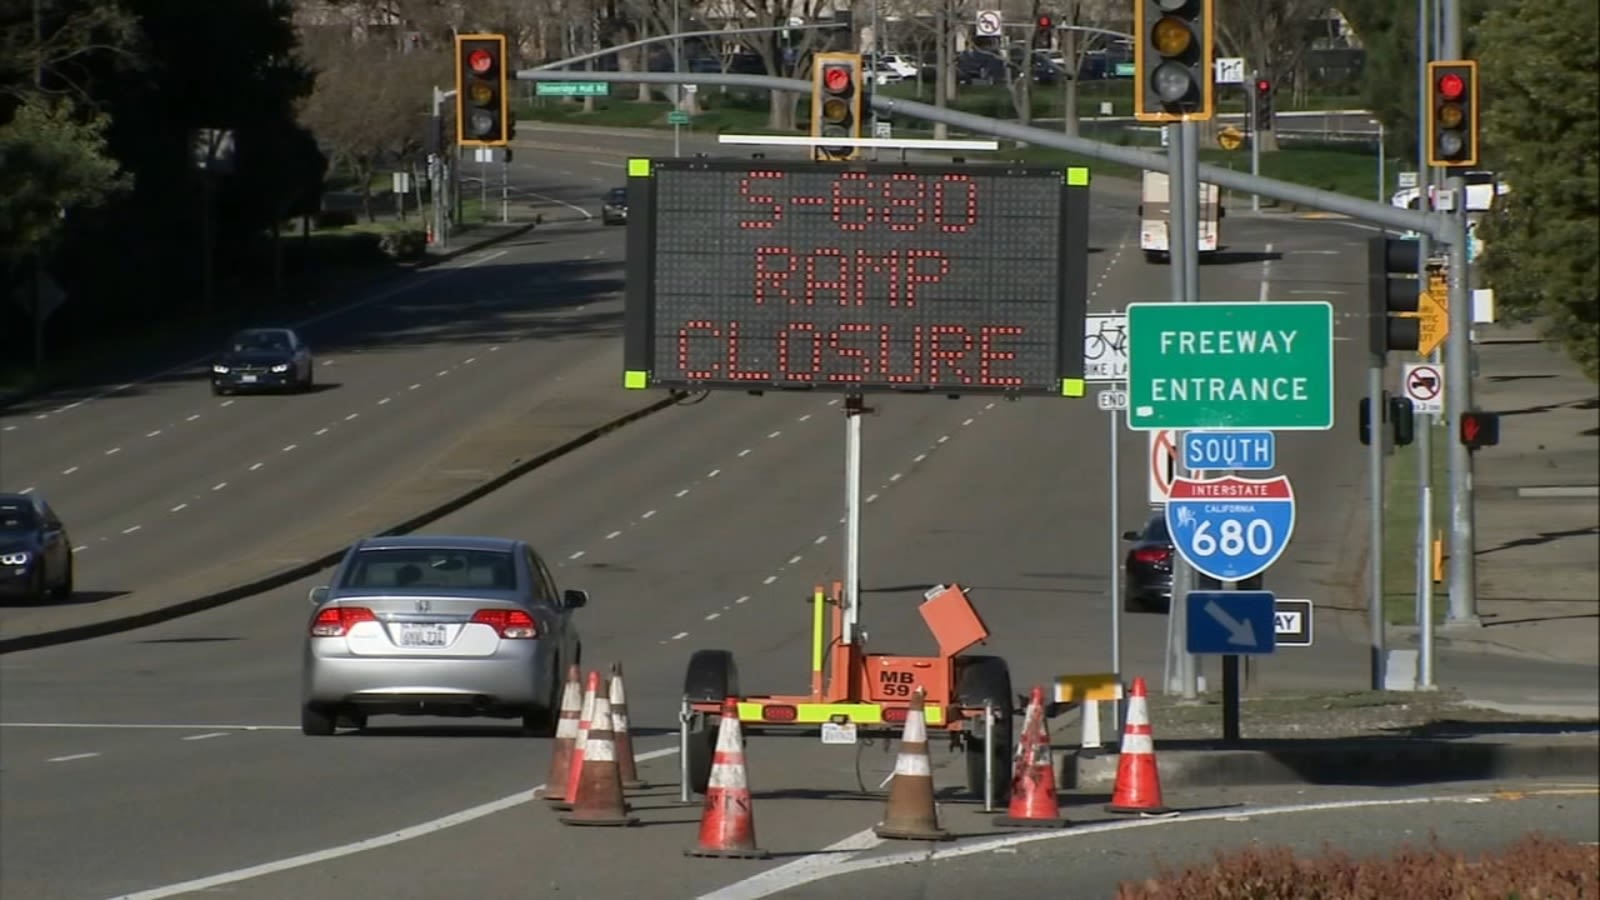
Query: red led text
<point>857,201</point>
<point>836,277</point>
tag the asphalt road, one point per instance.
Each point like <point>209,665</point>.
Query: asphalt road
<point>159,478</point>
<point>172,750</point>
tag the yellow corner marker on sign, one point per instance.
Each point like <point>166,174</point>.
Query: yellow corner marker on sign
<point>1072,387</point>
<point>638,168</point>
<point>1077,176</point>
<point>635,381</point>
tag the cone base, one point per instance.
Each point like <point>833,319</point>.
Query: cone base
<point>560,803</point>
<point>613,821</point>
<point>1134,810</point>
<point>634,785</point>
<point>1009,822</point>
<point>895,833</point>
<point>707,853</point>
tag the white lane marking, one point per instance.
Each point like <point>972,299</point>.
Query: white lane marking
<point>227,403</point>
<point>26,490</point>
<point>72,757</point>
<point>613,535</point>
<point>711,617</point>
<point>609,165</point>
<point>744,599</point>
<point>1266,276</point>
<point>680,635</point>
<point>494,348</point>
<point>681,493</point>
<point>1311,252</point>
<point>796,874</point>
<point>805,417</point>
<point>179,508</point>
<point>769,579</point>
<point>469,360</point>
<point>713,473</point>
<point>942,438</point>
<point>577,555</point>
<point>69,470</point>
<point>383,401</point>
<point>820,539</point>
<point>154,433</point>
<point>896,477</point>
<point>80,548</point>
<point>774,434</point>
<point>73,405</point>
<point>745,452</point>
<point>871,498</point>
<point>989,406</point>
<point>413,387</point>
<point>423,829</point>
<point>441,373</point>
<point>113,451</point>
<point>648,513</point>
<point>351,416</point>
<point>256,466</point>
<point>204,737</point>
<point>131,529</point>
<point>192,418</point>
<point>319,432</point>
<point>919,457</point>
<point>41,417</point>
<point>219,485</point>
<point>966,421</point>
<point>148,725</point>
<point>833,402</point>
<point>288,447</point>
<point>10,428</point>
<point>588,216</point>
<point>804,870</point>
<point>794,559</point>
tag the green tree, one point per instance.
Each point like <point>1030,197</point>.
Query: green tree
<point>52,162</point>
<point>1541,128</point>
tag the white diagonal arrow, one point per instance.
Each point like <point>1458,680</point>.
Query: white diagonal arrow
<point>1241,633</point>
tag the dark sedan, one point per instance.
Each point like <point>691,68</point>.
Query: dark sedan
<point>614,211</point>
<point>35,551</point>
<point>263,359</point>
<point>1147,579</point>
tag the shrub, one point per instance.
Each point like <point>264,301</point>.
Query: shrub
<point>404,243</point>
<point>1534,868</point>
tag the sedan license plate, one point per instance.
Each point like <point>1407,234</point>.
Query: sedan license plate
<point>835,733</point>
<point>422,636</point>
<point>247,379</point>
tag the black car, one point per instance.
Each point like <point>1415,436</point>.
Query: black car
<point>614,211</point>
<point>35,551</point>
<point>263,359</point>
<point>1147,580</point>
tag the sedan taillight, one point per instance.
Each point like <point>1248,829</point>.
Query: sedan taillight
<point>336,621</point>
<point>513,624</point>
<point>1151,554</point>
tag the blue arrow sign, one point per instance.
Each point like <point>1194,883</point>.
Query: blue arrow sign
<point>1230,450</point>
<point>1230,622</point>
<point>1230,528</point>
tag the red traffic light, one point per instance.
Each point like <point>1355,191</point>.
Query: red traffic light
<point>836,78</point>
<point>1263,86</point>
<point>1452,86</point>
<point>1045,23</point>
<point>480,61</point>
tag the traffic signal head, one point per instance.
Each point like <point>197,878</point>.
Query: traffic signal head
<point>1263,105</point>
<point>1172,59</point>
<point>1452,114</point>
<point>1396,412</point>
<point>836,94</point>
<point>1043,26</point>
<point>1479,429</point>
<point>483,105</point>
<point>1392,287</point>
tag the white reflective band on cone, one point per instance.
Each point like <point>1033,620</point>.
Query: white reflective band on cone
<point>567,728</point>
<point>1138,713</point>
<point>916,730</point>
<point>1138,743</point>
<point>727,777</point>
<point>913,764</point>
<point>598,751</point>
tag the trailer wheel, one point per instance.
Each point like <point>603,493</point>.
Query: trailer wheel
<point>711,678</point>
<point>979,679</point>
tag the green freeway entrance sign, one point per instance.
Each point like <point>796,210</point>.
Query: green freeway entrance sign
<point>572,89</point>
<point>1230,365</point>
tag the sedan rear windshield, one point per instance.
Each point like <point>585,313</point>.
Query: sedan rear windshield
<point>410,569</point>
<point>617,197</point>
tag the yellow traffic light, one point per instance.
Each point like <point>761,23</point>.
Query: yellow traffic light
<point>836,96</point>
<point>1451,114</point>
<point>1172,60</point>
<point>483,95</point>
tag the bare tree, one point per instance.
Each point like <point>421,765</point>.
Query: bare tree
<point>1271,35</point>
<point>791,64</point>
<point>370,106</point>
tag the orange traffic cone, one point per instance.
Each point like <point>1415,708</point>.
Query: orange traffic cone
<point>1138,788</point>
<point>1033,783</point>
<point>566,734</point>
<point>562,797</point>
<point>597,800</point>
<point>619,731</point>
<point>727,820</point>
<point>911,815</point>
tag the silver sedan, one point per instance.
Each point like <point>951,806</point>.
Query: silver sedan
<point>438,626</point>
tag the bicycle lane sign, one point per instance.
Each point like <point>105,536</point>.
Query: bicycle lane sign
<point>1105,347</point>
<point>1231,528</point>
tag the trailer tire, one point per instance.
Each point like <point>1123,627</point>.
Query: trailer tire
<point>979,679</point>
<point>711,677</point>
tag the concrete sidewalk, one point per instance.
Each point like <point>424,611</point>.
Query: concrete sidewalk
<point>1537,504</point>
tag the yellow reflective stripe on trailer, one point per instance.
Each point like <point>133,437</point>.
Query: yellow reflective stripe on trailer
<point>817,713</point>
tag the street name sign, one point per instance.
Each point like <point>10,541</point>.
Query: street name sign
<point>572,89</point>
<point>1234,623</point>
<point>1230,528</point>
<point>1230,365</point>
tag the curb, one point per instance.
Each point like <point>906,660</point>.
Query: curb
<point>1377,762</point>
<point>286,576</point>
<point>8,398</point>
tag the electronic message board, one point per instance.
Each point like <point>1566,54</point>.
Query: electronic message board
<point>759,275</point>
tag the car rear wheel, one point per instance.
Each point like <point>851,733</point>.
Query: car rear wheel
<point>315,721</point>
